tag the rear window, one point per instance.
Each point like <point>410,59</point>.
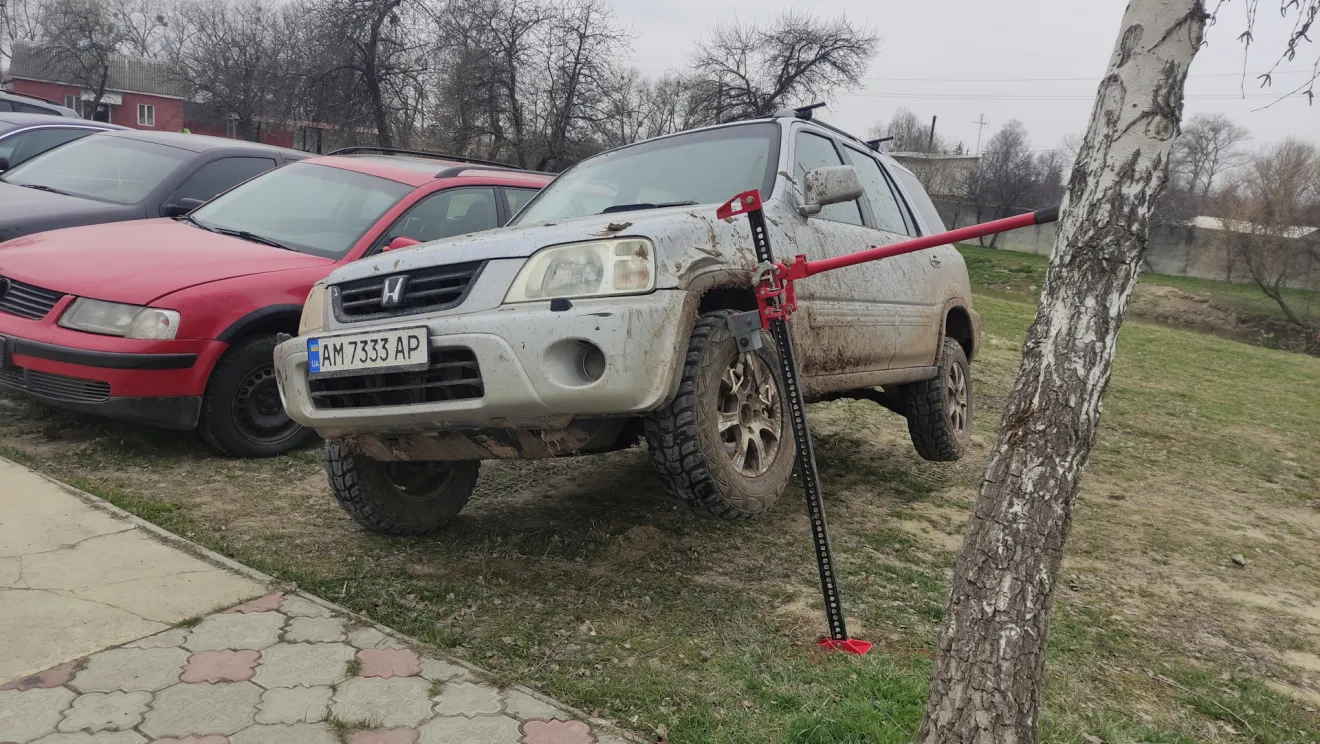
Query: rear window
<point>109,169</point>
<point>919,200</point>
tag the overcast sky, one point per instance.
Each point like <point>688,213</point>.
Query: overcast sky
<point>1039,61</point>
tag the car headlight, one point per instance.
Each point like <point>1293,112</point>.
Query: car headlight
<point>118,319</point>
<point>595,269</point>
<point>313,312</point>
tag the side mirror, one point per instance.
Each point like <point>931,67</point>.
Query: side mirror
<point>4,163</point>
<point>401,242</point>
<point>180,207</point>
<point>830,185</point>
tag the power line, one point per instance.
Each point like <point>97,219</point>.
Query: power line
<point>1052,79</point>
<point>993,97</point>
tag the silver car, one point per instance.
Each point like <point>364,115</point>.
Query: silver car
<point>599,316</point>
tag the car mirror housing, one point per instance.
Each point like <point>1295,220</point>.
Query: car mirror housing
<point>4,163</point>
<point>180,207</point>
<point>830,185</point>
<point>401,242</point>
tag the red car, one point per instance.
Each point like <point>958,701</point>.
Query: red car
<point>172,322</point>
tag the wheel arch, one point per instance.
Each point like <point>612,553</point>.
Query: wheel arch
<point>271,319</point>
<point>959,324</point>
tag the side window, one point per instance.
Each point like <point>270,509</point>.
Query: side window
<point>518,199</point>
<point>814,151</point>
<point>24,146</point>
<point>6,106</point>
<point>25,108</point>
<point>446,214</point>
<point>219,175</point>
<point>885,208</point>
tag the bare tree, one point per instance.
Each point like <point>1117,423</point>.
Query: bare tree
<point>20,20</point>
<point>231,55</point>
<point>144,24</point>
<point>1008,174</point>
<point>1266,213</point>
<point>81,41</point>
<point>748,70</point>
<point>1209,146</point>
<point>911,134</point>
<point>989,669</point>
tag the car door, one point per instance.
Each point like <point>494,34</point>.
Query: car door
<point>903,287</point>
<point>845,331</point>
<point>217,176</point>
<point>446,214</point>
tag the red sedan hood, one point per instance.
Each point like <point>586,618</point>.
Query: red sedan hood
<point>139,261</point>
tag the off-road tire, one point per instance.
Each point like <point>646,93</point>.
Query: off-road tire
<point>928,405</point>
<point>364,489</point>
<point>686,450</point>
<point>219,424</point>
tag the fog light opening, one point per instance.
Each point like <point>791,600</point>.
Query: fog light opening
<point>591,361</point>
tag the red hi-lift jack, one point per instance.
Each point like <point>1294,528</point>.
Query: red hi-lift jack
<point>776,300</point>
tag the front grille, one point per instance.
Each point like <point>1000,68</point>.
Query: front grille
<point>54,387</point>
<point>426,290</point>
<point>453,375</point>
<point>25,300</point>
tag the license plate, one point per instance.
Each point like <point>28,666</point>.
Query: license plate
<point>404,350</point>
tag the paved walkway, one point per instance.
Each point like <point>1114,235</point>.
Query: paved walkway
<point>109,635</point>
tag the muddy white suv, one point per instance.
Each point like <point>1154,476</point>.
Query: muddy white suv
<point>599,317</point>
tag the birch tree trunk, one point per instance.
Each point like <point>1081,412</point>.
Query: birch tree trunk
<point>989,670</point>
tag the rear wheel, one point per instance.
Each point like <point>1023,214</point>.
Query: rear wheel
<point>724,447</point>
<point>242,415</point>
<point>398,498</point>
<point>939,411</point>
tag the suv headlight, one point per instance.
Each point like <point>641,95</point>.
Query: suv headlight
<point>313,312</point>
<point>118,319</point>
<point>595,269</point>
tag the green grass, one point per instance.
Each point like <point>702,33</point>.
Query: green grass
<point>1002,271</point>
<point>575,577</point>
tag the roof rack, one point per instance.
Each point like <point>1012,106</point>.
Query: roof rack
<point>367,150</point>
<point>807,113</point>
<point>459,170</point>
<point>28,95</point>
<point>875,143</point>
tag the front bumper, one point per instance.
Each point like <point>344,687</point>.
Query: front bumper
<point>521,353</point>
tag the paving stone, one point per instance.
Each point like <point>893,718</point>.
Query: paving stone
<point>164,639</point>
<point>130,669</point>
<point>105,711</point>
<point>371,638</point>
<point>298,733</point>
<point>268,603</point>
<point>490,730</point>
<point>315,629</point>
<point>556,732</point>
<point>385,736</point>
<point>524,707</point>
<point>441,670</point>
<point>105,737</point>
<point>197,710</point>
<point>467,699</point>
<point>401,701</point>
<point>194,740</point>
<point>256,630</point>
<point>389,662</point>
<point>294,705</point>
<point>295,606</point>
<point>53,677</point>
<point>293,664</point>
<point>29,714</point>
<point>220,666</point>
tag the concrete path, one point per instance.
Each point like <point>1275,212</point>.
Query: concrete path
<point>110,634</point>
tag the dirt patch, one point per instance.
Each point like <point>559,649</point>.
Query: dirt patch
<point>1181,309</point>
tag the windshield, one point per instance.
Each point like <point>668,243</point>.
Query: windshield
<point>316,209</point>
<point>703,167</point>
<point>120,171</point>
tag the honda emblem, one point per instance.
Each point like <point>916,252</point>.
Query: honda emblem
<point>392,296</point>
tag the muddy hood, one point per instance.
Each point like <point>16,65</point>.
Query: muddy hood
<point>137,262</point>
<point>673,231</point>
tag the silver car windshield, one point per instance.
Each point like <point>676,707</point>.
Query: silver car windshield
<point>110,169</point>
<point>702,167</point>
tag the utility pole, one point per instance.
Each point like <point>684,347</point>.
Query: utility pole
<point>981,124</point>
<point>930,146</point>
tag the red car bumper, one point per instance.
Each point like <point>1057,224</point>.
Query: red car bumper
<point>150,382</point>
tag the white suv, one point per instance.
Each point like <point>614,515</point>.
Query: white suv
<point>599,317</point>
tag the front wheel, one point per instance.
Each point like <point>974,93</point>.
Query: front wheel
<point>939,411</point>
<point>242,415</point>
<point>398,498</point>
<point>724,447</point>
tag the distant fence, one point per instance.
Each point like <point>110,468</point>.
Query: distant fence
<point>1177,250</point>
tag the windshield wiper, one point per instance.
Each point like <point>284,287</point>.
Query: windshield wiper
<point>252,237</point>
<point>193,221</point>
<point>645,205</point>
<point>40,187</point>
